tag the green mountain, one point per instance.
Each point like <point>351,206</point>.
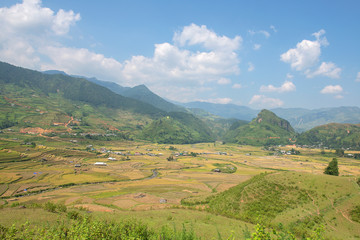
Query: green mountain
<point>304,119</point>
<point>71,88</point>
<point>333,135</point>
<point>225,110</point>
<point>142,93</point>
<point>218,125</point>
<point>116,88</point>
<point>178,128</point>
<point>266,128</point>
<point>60,105</point>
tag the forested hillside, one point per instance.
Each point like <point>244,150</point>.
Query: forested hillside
<point>179,128</point>
<point>334,135</point>
<point>265,129</point>
<point>76,89</point>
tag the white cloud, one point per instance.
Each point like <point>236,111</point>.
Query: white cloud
<point>31,36</point>
<point>63,20</point>
<point>289,76</point>
<point>358,77</point>
<point>339,96</point>
<point>28,27</point>
<point>219,100</point>
<point>272,27</point>
<point>19,52</point>
<point>251,67</point>
<point>237,86</point>
<point>326,69</point>
<point>201,35</point>
<point>332,89</point>
<point>79,61</point>
<point>287,86</point>
<point>319,37</point>
<point>262,32</point>
<point>29,16</point>
<point>265,102</point>
<point>224,81</point>
<point>257,46</point>
<point>306,56</point>
<point>176,62</point>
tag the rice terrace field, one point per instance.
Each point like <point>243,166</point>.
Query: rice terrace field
<point>214,190</point>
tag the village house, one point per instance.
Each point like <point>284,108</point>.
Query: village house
<point>100,164</point>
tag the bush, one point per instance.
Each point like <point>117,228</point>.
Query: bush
<point>61,207</point>
<point>50,207</point>
<point>355,214</point>
<point>332,168</point>
<point>74,215</point>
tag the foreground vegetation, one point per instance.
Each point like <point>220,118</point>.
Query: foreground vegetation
<point>78,165</point>
<point>73,224</point>
<point>286,194</point>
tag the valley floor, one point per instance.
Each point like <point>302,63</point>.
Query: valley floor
<point>137,180</point>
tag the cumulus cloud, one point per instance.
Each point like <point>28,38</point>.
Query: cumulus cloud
<point>306,56</point>
<point>339,96</point>
<point>31,36</point>
<point>263,101</point>
<point>219,100</point>
<point>179,63</point>
<point>328,69</point>
<point>332,89</point>
<point>289,76</point>
<point>251,67</point>
<point>79,61</point>
<point>272,27</point>
<point>287,86</point>
<point>224,81</point>
<point>358,77</point>
<point>31,16</point>
<point>257,46</point>
<point>28,27</point>
<point>237,86</point>
<point>262,32</point>
<point>201,35</point>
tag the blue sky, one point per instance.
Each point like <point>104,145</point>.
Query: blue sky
<point>261,54</point>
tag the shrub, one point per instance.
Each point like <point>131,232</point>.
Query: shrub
<point>50,207</point>
<point>355,214</point>
<point>332,168</point>
<point>74,215</point>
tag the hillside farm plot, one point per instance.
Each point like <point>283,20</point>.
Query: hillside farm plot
<point>139,178</point>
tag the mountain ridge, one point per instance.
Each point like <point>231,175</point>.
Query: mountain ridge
<point>265,129</point>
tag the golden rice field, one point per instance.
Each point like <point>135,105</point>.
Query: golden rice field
<point>142,183</point>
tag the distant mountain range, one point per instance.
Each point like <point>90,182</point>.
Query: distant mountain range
<point>56,103</point>
<point>304,119</point>
<point>225,110</point>
<point>300,118</point>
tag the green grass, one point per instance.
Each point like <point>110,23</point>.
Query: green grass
<point>225,168</point>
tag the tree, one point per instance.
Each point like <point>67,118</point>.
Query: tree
<point>332,168</point>
<point>171,158</point>
<point>340,152</point>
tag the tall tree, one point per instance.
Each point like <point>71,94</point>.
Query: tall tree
<point>332,168</point>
